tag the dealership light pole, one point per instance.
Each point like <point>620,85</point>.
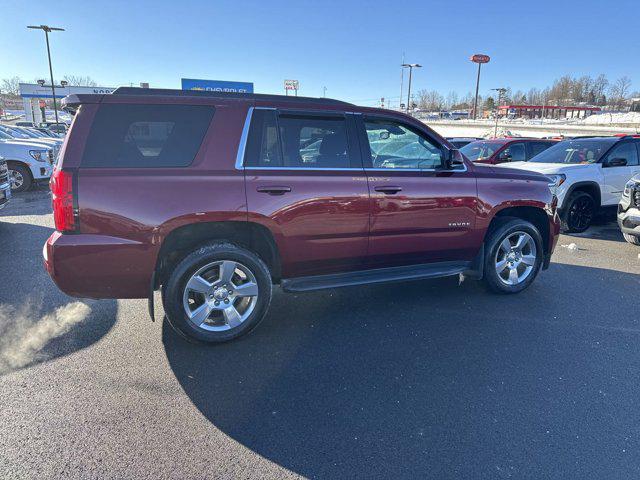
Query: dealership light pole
<point>478,58</point>
<point>46,29</point>
<point>410,66</point>
<point>500,91</point>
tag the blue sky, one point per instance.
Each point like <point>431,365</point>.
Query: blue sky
<point>352,48</point>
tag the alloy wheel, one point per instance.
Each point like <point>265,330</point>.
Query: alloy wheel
<point>515,258</point>
<point>580,214</point>
<point>16,178</point>
<point>220,296</point>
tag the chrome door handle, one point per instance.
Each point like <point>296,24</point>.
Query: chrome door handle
<point>388,189</point>
<point>274,189</point>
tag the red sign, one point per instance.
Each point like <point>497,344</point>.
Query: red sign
<point>480,58</point>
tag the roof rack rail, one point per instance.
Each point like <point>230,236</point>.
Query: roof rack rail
<point>203,93</point>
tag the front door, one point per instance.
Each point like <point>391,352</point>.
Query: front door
<point>420,212</point>
<point>305,182</point>
<point>615,177</point>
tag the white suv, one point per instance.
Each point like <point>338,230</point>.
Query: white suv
<point>586,173</point>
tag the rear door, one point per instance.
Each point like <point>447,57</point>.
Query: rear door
<point>616,177</point>
<point>420,213</point>
<point>305,182</point>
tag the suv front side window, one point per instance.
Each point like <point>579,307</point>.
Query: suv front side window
<point>396,146</point>
<point>514,153</point>
<point>626,150</point>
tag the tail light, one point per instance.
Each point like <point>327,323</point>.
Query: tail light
<point>62,196</point>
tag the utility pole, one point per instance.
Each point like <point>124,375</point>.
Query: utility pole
<point>410,66</point>
<point>46,29</point>
<point>401,80</point>
<point>324,92</point>
<point>500,91</point>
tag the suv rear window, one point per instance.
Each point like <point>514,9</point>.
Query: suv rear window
<point>139,136</point>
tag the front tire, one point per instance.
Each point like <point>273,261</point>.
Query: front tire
<point>579,213</point>
<point>513,256</point>
<point>217,293</point>
<point>631,239</point>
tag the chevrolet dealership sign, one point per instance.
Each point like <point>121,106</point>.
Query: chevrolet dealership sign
<point>216,85</point>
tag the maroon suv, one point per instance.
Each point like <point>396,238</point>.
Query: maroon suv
<point>213,198</point>
<point>501,150</point>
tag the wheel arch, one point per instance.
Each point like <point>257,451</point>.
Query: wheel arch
<point>535,215</point>
<point>180,241</point>
<point>590,187</point>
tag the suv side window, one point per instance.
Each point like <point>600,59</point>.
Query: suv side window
<point>140,136</point>
<point>537,147</point>
<point>626,150</point>
<point>397,146</point>
<point>297,141</point>
<point>516,152</point>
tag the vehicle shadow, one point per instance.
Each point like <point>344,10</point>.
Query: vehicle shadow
<point>429,379</point>
<point>37,321</point>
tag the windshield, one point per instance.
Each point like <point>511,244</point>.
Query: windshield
<point>579,150</point>
<point>475,151</point>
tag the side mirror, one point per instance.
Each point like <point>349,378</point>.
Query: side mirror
<point>452,159</point>
<point>617,162</point>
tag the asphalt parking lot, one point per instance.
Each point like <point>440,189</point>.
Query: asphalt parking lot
<point>413,380</point>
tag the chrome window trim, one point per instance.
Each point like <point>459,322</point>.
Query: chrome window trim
<point>305,169</point>
<point>242,146</point>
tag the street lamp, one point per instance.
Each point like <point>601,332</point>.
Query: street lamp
<point>500,91</point>
<point>46,29</point>
<point>410,66</point>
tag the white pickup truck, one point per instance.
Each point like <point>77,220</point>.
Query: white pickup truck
<point>586,173</point>
<point>28,162</point>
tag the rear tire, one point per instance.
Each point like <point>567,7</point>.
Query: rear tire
<point>20,177</point>
<point>513,256</point>
<point>631,239</point>
<point>579,213</point>
<point>217,293</point>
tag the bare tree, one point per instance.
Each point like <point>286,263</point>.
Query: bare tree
<point>80,81</point>
<point>430,100</point>
<point>11,86</point>
<point>619,91</point>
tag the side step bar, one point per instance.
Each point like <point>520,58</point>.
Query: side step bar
<point>378,275</point>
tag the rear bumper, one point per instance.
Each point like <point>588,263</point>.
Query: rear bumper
<point>99,266</point>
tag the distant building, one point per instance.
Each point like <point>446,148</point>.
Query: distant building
<point>546,111</point>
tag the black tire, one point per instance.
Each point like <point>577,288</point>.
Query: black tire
<point>24,174</point>
<point>631,239</point>
<point>174,290</point>
<point>503,230</point>
<point>579,213</point>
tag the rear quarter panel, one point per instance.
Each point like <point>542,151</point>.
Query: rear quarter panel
<point>125,213</point>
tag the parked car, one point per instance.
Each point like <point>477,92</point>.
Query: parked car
<point>629,211</point>
<point>60,127</point>
<point>5,184</point>
<point>28,162</point>
<point>588,173</point>
<point>502,150</point>
<point>24,124</point>
<point>460,142</point>
<point>26,135</point>
<point>207,197</point>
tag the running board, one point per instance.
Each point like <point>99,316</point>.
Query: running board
<point>378,275</point>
